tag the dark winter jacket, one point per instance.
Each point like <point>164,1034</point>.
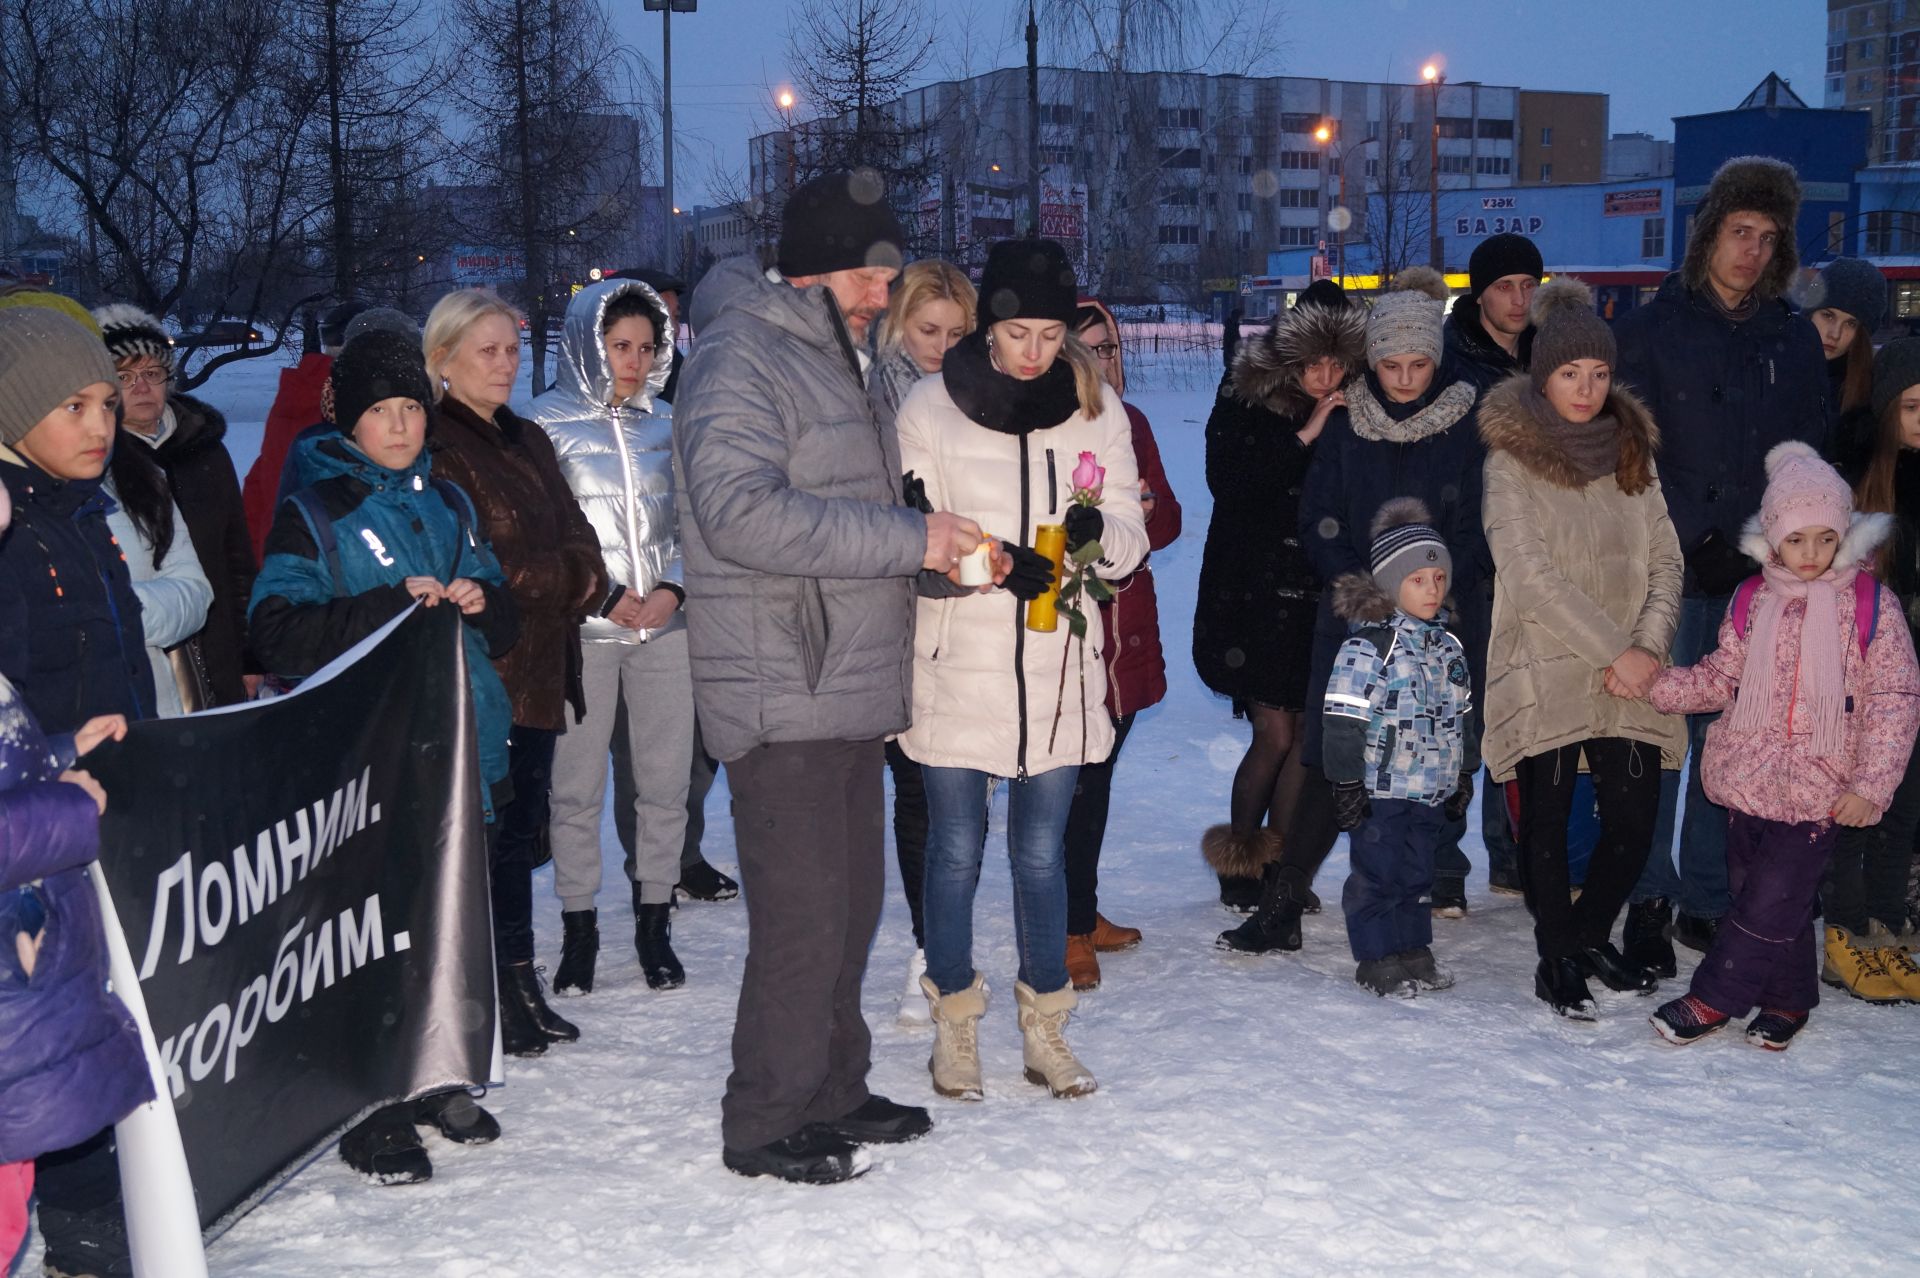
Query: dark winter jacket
<point>295,407</point>
<point>1474,355</point>
<point>546,548</point>
<point>1253,618</point>
<point>1724,394</point>
<point>70,1057</point>
<point>70,634</point>
<point>1353,476</point>
<point>1899,564</point>
<point>388,525</point>
<point>1136,665</point>
<point>205,488</point>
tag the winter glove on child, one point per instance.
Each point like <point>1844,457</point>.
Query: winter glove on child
<point>1455,807</point>
<point>1084,524</point>
<point>1031,575</point>
<point>1718,565</point>
<point>1351,805</point>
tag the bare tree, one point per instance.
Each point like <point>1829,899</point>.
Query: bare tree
<point>549,93</point>
<point>1398,231</point>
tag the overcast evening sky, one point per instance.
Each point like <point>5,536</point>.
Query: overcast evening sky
<point>1655,58</point>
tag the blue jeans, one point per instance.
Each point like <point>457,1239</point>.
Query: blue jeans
<point>1700,888</point>
<point>1036,843</point>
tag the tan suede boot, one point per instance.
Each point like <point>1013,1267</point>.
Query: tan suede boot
<point>1050,1062</point>
<point>955,1063</point>
<point>1858,969</point>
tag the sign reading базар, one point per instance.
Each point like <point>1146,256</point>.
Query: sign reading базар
<point>302,882</point>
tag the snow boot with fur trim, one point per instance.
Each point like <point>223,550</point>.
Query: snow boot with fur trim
<point>955,1062</point>
<point>1043,1046</point>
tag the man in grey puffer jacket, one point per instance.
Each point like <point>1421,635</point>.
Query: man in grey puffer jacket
<point>801,565</point>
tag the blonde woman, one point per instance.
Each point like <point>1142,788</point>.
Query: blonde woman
<point>551,560</point>
<point>999,435</point>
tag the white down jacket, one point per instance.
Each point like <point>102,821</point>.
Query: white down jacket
<point>617,460</point>
<point>985,688</point>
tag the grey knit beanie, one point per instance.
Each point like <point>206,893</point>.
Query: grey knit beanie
<point>1852,285</point>
<point>45,356</point>
<point>1567,328</point>
<point>1409,318</point>
<point>1895,368</point>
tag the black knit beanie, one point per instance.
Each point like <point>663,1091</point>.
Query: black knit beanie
<point>1499,256</point>
<point>1027,279</point>
<point>1895,368</point>
<point>376,365</point>
<point>1852,285</point>
<point>1323,293</point>
<point>839,222</point>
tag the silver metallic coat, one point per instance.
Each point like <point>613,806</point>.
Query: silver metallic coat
<point>618,459</point>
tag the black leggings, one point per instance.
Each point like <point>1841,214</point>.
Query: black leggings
<point>1626,789</point>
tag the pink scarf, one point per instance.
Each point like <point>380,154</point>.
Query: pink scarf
<point>1821,671</point>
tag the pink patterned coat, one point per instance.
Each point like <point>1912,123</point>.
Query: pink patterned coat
<point>1774,774</point>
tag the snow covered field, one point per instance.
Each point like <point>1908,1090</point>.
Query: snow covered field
<point>1254,1115</point>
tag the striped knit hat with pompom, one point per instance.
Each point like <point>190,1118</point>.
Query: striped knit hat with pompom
<point>1405,542</point>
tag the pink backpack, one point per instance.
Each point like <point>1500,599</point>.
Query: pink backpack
<point>1866,607</point>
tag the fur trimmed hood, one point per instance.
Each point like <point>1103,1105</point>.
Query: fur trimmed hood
<point>1866,533</point>
<point>1514,418</point>
<point>1756,184</point>
<point>1266,370</point>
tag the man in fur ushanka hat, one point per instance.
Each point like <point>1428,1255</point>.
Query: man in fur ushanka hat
<point>1729,371</point>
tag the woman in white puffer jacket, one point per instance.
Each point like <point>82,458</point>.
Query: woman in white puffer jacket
<point>616,451</point>
<point>997,437</point>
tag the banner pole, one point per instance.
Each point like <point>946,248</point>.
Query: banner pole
<point>163,1219</point>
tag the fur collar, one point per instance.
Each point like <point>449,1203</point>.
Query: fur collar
<point>1371,420</point>
<point>1865,534</point>
<point>1358,599</point>
<point>1514,418</point>
<point>1006,404</point>
<point>1266,370</point>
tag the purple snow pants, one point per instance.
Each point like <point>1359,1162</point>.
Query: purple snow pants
<point>1765,954</point>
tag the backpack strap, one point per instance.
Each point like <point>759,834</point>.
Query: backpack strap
<point>1743,604</point>
<point>320,525</point>
<point>463,510</point>
<point>1866,609</point>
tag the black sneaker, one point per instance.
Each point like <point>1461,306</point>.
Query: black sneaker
<point>879,1121</point>
<point>386,1150</point>
<point>1774,1030</point>
<point>701,882</point>
<point>1449,899</point>
<point>1559,984</point>
<point>1695,932</point>
<point>1645,940</point>
<point>811,1156</point>
<point>85,1244</point>
<point>455,1115</point>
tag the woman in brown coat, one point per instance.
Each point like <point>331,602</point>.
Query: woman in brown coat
<point>1586,597</point>
<point>551,559</point>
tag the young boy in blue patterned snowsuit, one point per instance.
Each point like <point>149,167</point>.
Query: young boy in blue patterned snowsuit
<point>1398,747</point>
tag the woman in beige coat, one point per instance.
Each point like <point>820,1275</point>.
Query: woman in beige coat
<point>998,435</point>
<point>1586,597</point>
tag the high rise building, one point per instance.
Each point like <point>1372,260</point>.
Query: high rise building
<point>1873,62</point>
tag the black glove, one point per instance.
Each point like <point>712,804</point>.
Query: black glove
<point>1455,807</point>
<point>1718,565</point>
<point>1084,524</point>
<point>913,490</point>
<point>1351,805</point>
<point>1032,572</point>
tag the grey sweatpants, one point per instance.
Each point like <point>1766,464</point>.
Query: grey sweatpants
<point>652,679</point>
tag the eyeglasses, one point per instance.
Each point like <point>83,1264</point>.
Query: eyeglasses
<point>145,377</point>
<point>1106,350</point>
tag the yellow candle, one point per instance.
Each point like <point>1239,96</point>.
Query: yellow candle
<point>1049,541</point>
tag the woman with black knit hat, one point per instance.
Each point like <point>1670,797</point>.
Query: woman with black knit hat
<point>1014,433</point>
<point>1585,602</point>
<point>1253,619</point>
<point>1846,302</point>
<point>1406,430</point>
<point>188,438</point>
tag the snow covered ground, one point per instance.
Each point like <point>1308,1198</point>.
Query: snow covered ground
<point>1254,1115</point>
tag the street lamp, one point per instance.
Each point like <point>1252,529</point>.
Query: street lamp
<point>666,9</point>
<point>784,100</point>
<point>1436,254</point>
<point>1340,217</point>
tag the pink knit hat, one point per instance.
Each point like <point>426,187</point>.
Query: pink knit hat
<point>1802,492</point>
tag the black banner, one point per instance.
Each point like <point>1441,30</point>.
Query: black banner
<point>303,886</point>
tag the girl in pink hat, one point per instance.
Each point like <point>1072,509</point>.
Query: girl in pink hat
<point>1817,675</point>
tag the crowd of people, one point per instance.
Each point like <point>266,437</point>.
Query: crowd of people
<point>888,521</point>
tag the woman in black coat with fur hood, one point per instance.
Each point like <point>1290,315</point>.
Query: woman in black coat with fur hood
<point>1253,624</point>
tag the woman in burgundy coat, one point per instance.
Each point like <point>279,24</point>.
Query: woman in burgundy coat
<point>1136,673</point>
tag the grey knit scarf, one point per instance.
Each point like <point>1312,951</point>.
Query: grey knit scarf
<point>1749,305</point>
<point>1370,419</point>
<point>1591,448</point>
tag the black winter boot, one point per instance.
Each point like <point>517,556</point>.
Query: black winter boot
<point>1612,969</point>
<point>385,1149</point>
<point>1558,984</point>
<point>1694,932</point>
<point>454,1115</point>
<point>579,947</point>
<point>1643,938</point>
<point>520,1032</point>
<point>521,984</point>
<point>1275,925</point>
<point>701,882</point>
<point>652,936</point>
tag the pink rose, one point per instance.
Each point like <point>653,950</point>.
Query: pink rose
<point>1089,474</point>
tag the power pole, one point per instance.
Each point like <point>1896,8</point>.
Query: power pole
<point>667,9</point>
<point>1436,250</point>
<point>1033,123</point>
